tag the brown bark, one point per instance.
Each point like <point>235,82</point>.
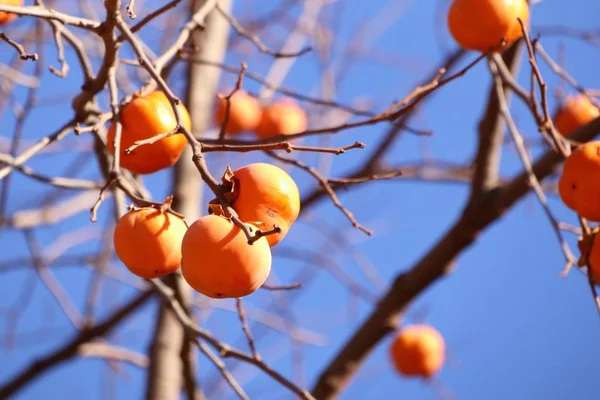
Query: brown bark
<point>171,356</point>
<point>484,206</point>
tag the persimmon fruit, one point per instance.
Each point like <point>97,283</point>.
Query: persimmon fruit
<point>578,185</point>
<point>418,350</point>
<point>281,117</point>
<point>244,113</point>
<point>577,111</point>
<point>145,117</point>
<point>265,193</point>
<point>218,262</point>
<point>593,253</point>
<point>481,24</point>
<point>6,17</point>
<point>148,241</point>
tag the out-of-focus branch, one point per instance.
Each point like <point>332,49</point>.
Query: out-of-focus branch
<point>224,349</point>
<point>19,48</point>
<point>371,165</point>
<point>435,264</point>
<point>51,214</point>
<point>254,39</point>
<point>113,353</point>
<point>71,348</point>
<point>44,13</point>
<point>491,133</point>
<point>171,356</point>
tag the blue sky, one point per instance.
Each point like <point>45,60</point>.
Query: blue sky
<point>514,329</point>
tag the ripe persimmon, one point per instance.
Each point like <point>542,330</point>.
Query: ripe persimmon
<point>517,31</point>
<point>281,117</point>
<point>481,24</point>
<point>265,193</point>
<point>576,112</point>
<point>579,186</point>
<point>8,17</point>
<point>244,113</point>
<point>218,262</point>
<point>418,350</point>
<point>148,241</point>
<point>592,249</point>
<point>145,117</point>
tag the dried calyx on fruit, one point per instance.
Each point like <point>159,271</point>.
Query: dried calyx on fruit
<point>264,195</point>
<point>218,261</point>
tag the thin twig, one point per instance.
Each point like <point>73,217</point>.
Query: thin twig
<point>326,186</point>
<point>129,9</point>
<point>220,365</point>
<point>246,328</point>
<point>22,54</point>
<point>254,39</point>
<point>238,87</point>
<point>281,287</point>
<point>224,349</point>
<point>535,184</point>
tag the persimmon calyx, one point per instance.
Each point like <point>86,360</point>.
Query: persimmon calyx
<point>230,187</point>
<point>164,207</point>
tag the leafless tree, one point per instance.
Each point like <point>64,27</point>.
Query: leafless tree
<point>106,52</point>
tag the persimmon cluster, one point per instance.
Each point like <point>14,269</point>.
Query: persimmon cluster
<point>215,255</point>
<point>246,114</point>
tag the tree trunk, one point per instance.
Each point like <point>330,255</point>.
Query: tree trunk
<point>171,356</point>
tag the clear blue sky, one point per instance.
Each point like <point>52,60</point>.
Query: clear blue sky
<point>514,329</point>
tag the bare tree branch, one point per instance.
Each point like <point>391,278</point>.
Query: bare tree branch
<point>71,348</point>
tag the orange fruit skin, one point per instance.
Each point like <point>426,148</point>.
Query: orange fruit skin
<point>481,24</point>
<point>418,350</point>
<point>579,186</point>
<point>244,113</point>
<point>269,195</point>
<point>218,262</point>
<point>516,32</point>
<point>576,112</point>
<point>281,117</point>
<point>148,242</point>
<point>594,260</point>
<point>143,118</point>
<point>8,17</point>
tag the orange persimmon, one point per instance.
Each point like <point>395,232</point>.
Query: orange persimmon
<point>267,194</point>
<point>579,186</point>
<point>8,17</point>
<point>148,241</point>
<point>218,262</point>
<point>481,24</point>
<point>281,117</point>
<point>418,350</point>
<point>576,112</point>
<point>593,246</point>
<point>143,118</point>
<point>244,113</point>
